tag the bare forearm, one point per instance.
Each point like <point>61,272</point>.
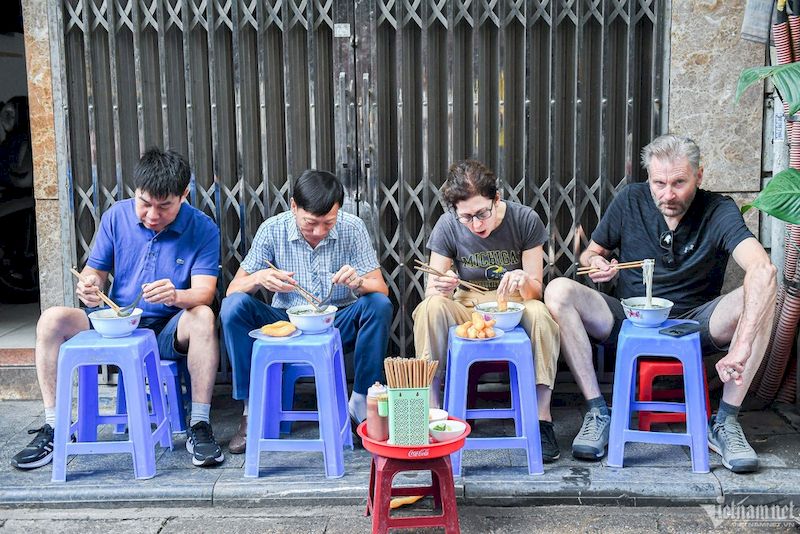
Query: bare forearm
<point>192,297</point>
<point>245,284</point>
<point>759,302</point>
<point>372,285</point>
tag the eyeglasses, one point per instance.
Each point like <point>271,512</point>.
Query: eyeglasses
<point>667,241</point>
<point>481,215</point>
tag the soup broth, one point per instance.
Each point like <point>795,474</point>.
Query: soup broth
<point>646,307</point>
<point>309,311</point>
<point>496,309</point>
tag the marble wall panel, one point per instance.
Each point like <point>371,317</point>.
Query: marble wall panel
<point>707,55</point>
<point>49,245</point>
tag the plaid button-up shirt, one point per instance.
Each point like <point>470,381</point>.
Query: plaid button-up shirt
<point>279,240</point>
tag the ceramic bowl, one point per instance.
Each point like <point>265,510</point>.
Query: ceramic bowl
<point>506,320</point>
<point>437,414</point>
<point>452,430</point>
<point>636,312</point>
<point>109,324</point>
<point>307,320</point>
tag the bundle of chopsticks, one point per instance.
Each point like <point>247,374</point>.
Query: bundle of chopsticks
<point>111,304</point>
<point>427,269</point>
<point>306,294</point>
<point>624,265</point>
<point>409,372</point>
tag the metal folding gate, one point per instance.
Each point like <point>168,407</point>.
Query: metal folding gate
<point>558,96</point>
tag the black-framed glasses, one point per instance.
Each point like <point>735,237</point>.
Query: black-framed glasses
<point>667,241</point>
<point>481,215</point>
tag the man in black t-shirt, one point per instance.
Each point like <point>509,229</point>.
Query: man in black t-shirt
<point>690,233</point>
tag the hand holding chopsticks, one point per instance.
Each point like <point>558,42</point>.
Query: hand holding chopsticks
<point>616,266</point>
<point>111,304</point>
<point>427,269</point>
<point>310,298</point>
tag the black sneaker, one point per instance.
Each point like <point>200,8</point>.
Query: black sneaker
<point>39,452</point>
<point>550,451</point>
<point>201,445</point>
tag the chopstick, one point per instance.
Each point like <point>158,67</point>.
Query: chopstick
<point>623,265</point>
<point>103,297</point>
<point>425,268</point>
<point>310,298</point>
<point>409,372</point>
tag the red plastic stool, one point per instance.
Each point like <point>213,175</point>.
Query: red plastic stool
<point>382,472</point>
<point>649,369</point>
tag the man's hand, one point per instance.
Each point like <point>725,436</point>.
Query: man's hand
<point>444,285</point>
<point>87,288</point>
<point>731,367</point>
<point>276,280</point>
<point>512,282</point>
<point>160,292</point>
<point>607,271</point>
<point>347,276</point>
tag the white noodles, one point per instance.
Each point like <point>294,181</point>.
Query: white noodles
<point>647,280</point>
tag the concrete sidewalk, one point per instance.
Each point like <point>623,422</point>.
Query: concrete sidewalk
<point>653,475</point>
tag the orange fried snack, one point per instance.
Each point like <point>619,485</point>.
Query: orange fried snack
<point>278,329</point>
<point>478,328</point>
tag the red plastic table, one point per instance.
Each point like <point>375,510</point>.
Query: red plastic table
<point>388,460</point>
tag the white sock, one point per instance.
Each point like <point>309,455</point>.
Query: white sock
<point>244,411</point>
<point>50,416</point>
<point>358,406</point>
<point>200,411</point>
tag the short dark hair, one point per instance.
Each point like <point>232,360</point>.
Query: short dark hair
<point>468,178</point>
<point>317,192</point>
<point>162,173</point>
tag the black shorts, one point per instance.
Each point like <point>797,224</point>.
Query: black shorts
<point>701,314</point>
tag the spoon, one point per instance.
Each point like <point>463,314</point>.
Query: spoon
<point>127,310</point>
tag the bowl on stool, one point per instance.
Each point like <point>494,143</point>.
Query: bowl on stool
<point>109,324</point>
<point>639,315</point>
<point>506,320</point>
<point>310,321</point>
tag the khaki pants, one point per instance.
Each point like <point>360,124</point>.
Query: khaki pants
<point>435,315</point>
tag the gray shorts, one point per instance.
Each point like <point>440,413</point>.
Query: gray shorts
<point>166,331</point>
<point>701,314</point>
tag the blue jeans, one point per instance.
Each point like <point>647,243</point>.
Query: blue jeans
<point>363,326</point>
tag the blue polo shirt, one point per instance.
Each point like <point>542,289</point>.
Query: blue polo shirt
<point>136,255</point>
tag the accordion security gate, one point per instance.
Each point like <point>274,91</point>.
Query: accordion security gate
<point>558,96</point>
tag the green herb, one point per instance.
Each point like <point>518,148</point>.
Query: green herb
<point>441,427</point>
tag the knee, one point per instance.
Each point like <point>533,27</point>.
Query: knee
<point>433,305</point>
<point>201,318</point>
<point>51,321</point>
<point>379,306</point>
<point>559,293</point>
<point>232,305</point>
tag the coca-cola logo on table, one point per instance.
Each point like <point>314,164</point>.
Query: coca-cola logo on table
<point>417,453</point>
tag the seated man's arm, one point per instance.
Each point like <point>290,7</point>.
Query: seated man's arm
<point>91,281</point>
<point>759,294</point>
<point>596,256</point>
<point>201,292</point>
<point>270,279</point>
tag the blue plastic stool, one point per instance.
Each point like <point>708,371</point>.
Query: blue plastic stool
<point>515,348</point>
<point>171,373</point>
<point>635,342</point>
<point>292,372</point>
<point>137,358</point>
<point>323,352</point>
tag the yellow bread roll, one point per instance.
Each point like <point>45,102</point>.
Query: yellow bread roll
<point>278,329</point>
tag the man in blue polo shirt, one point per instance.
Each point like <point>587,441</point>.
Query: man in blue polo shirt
<point>317,246</point>
<point>158,244</point>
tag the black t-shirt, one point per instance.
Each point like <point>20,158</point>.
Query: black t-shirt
<point>703,241</point>
<point>484,260</point>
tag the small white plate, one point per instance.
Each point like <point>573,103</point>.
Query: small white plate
<point>257,334</point>
<point>497,333</point>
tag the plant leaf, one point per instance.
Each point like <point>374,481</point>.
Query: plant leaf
<point>785,77</point>
<point>781,197</point>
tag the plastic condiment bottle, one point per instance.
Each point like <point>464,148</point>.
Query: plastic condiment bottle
<point>377,425</point>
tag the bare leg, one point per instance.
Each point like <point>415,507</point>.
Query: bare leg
<point>543,395</point>
<point>197,337</point>
<point>580,312</point>
<point>55,326</point>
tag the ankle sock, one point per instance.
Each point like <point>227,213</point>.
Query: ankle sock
<point>599,403</point>
<point>725,410</point>
<point>50,416</point>
<point>200,411</point>
<point>357,405</point>
<point>244,410</point>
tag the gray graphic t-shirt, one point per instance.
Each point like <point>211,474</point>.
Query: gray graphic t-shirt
<point>484,261</point>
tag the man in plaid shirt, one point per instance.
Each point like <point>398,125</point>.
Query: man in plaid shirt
<point>317,246</point>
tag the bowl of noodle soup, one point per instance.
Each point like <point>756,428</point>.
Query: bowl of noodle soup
<point>640,314</point>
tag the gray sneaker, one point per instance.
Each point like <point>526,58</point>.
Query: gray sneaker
<point>726,438</point>
<point>592,440</point>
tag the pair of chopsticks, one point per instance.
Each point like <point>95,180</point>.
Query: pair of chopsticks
<point>625,265</point>
<point>409,372</point>
<point>310,298</point>
<point>427,269</point>
<point>103,297</point>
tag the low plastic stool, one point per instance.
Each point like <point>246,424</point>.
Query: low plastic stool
<point>171,373</point>
<point>513,347</point>
<point>649,369</point>
<point>633,343</point>
<point>382,472</point>
<point>475,374</point>
<point>137,358</point>
<point>323,352</point>
<point>292,372</point>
